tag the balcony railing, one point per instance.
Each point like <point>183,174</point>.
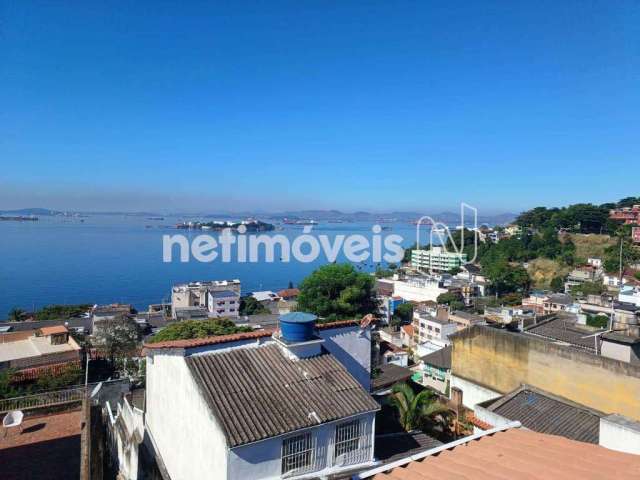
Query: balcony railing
<point>44,399</point>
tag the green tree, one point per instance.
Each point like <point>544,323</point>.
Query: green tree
<point>197,329</point>
<point>54,312</point>
<point>505,278</point>
<point>630,253</point>
<point>415,410</point>
<point>454,300</point>
<point>404,313</point>
<point>406,258</point>
<point>557,284</point>
<point>118,336</point>
<point>337,291</point>
<point>250,306</point>
<point>383,273</point>
<point>7,390</point>
<point>16,314</point>
<point>598,321</point>
<point>587,288</point>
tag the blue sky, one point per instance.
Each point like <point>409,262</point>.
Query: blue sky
<point>284,105</point>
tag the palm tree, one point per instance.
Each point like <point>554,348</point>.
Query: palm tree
<point>415,409</point>
<point>16,314</point>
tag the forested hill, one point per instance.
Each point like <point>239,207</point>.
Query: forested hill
<point>579,218</point>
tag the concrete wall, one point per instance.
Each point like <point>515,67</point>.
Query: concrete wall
<point>501,361</point>
<point>472,393</point>
<point>615,350</point>
<point>489,417</point>
<point>263,460</point>
<point>620,433</point>
<point>182,426</point>
<point>352,347</point>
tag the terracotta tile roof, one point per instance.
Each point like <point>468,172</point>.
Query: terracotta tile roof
<point>52,369</point>
<point>518,454</point>
<point>53,330</point>
<point>236,337</point>
<point>289,292</point>
<point>476,422</point>
<point>408,329</point>
<point>258,393</point>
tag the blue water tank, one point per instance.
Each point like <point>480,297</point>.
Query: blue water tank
<point>297,326</point>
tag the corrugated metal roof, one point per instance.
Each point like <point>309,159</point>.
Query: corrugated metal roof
<point>440,358</point>
<point>564,330</point>
<point>394,446</point>
<point>545,413</point>
<point>257,392</point>
<point>519,454</point>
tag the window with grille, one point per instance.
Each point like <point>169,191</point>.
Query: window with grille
<point>347,438</point>
<point>297,453</point>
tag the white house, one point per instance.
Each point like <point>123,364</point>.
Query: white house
<point>630,294</point>
<point>256,405</point>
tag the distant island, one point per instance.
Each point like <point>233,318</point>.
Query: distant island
<point>250,225</point>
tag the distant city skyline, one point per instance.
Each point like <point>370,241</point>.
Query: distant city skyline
<point>289,106</point>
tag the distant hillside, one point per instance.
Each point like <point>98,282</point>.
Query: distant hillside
<point>406,216</point>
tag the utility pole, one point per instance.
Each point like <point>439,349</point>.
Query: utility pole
<point>621,271</point>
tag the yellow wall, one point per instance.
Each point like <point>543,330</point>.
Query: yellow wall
<point>502,361</point>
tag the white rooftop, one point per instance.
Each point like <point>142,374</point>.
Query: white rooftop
<point>33,347</point>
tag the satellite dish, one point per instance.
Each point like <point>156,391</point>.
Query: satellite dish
<point>95,390</point>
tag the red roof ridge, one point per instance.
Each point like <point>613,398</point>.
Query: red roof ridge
<point>476,422</point>
<point>236,337</point>
<point>337,324</point>
<point>53,330</point>
<point>212,340</point>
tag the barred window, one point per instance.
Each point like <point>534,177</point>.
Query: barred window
<point>297,453</point>
<point>347,438</point>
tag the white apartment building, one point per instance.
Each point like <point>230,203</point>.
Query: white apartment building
<point>430,328</point>
<point>196,294</point>
<point>437,259</point>
<point>223,303</point>
<point>419,289</point>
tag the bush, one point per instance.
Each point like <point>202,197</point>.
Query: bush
<point>197,329</point>
<point>250,306</point>
<point>598,321</point>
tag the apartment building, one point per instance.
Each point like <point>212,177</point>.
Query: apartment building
<point>437,259</point>
<point>196,294</point>
<point>223,303</point>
